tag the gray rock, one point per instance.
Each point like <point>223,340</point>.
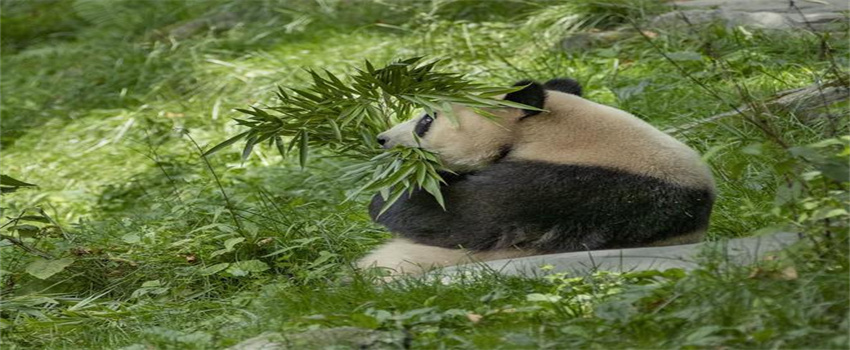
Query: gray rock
<point>758,19</point>
<point>762,14</point>
<point>817,15</point>
<point>805,6</point>
<point>737,251</point>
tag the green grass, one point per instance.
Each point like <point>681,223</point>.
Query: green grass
<point>97,102</point>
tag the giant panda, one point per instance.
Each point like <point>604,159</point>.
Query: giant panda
<point>577,175</point>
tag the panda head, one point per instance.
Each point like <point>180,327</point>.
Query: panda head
<point>475,141</point>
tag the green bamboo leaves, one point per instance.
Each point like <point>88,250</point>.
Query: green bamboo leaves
<point>343,115</point>
<point>397,171</point>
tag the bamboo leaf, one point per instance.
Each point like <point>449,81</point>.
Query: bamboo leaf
<point>226,143</point>
<point>6,180</point>
<point>394,196</point>
<point>421,172</point>
<point>303,149</point>
<point>433,187</point>
<point>278,142</point>
<point>249,145</point>
<point>336,130</point>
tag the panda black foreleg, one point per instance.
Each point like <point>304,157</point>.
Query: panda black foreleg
<point>466,222</point>
<point>414,215</point>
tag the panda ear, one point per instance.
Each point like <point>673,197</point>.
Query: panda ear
<point>531,95</point>
<point>566,85</point>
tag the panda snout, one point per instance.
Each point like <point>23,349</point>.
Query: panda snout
<point>383,141</point>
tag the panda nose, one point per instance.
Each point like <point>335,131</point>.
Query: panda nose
<point>382,140</point>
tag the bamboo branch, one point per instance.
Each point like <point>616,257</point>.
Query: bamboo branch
<point>793,100</point>
<point>31,250</point>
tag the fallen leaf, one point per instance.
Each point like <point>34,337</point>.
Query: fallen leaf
<point>80,251</point>
<point>474,317</point>
<point>789,273</point>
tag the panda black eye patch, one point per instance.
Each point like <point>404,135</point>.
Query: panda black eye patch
<point>423,125</point>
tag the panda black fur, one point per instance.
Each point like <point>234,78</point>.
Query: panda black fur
<point>580,176</point>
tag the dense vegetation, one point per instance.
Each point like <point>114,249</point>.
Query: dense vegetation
<point>134,240</point>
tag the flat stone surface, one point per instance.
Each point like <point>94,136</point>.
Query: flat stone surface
<point>817,15</point>
<point>769,5</point>
<point>738,251</point>
<point>755,19</point>
<point>761,19</point>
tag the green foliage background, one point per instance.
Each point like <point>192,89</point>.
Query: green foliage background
<point>135,240</point>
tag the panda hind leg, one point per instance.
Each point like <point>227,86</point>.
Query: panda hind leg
<point>403,256</point>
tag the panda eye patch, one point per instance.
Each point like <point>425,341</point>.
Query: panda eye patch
<point>423,125</point>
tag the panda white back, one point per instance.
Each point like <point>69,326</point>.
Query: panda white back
<point>578,131</point>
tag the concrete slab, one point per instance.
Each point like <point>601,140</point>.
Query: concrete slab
<point>820,15</point>
<point>806,6</point>
<point>738,251</point>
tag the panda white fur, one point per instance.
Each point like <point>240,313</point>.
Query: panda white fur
<point>577,176</point>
